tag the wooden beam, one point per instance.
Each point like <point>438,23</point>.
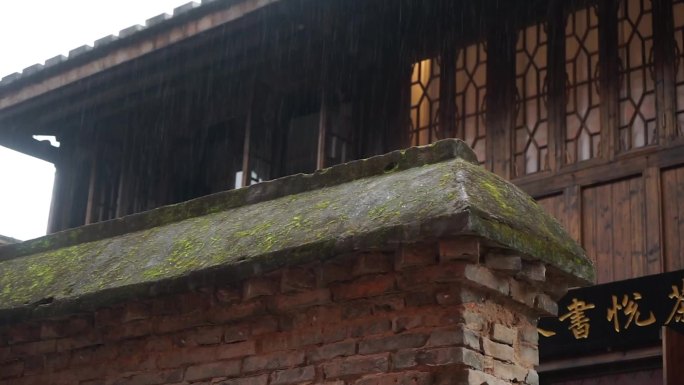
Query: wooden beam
<point>601,170</point>
<point>608,77</point>
<point>135,49</point>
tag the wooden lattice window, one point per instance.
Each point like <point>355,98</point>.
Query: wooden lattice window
<point>637,124</point>
<point>425,79</point>
<point>583,126</point>
<point>678,11</point>
<point>471,84</point>
<point>532,130</point>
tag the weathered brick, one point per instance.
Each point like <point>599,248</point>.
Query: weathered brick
<point>293,376</point>
<point>23,333</point>
<point>329,273</point>
<point>79,341</point>
<point>529,334</point>
<point>522,292</point>
<point>256,380</point>
<point>212,370</point>
<point>11,369</point>
<point>425,297</point>
<point>356,365</point>
<point>499,351</point>
<point>509,372</point>
<point>234,350</point>
<point>195,301</point>
<point>133,311</point>
<point>482,276</point>
<point>236,333</point>
<point>534,272</point>
<point>372,263</point>
<point>532,377</point>
<point>367,286</point>
<point>302,299</point>
<point>196,355</point>
<point>545,305</point>
<point>57,361</point>
<point>128,330</point>
<point>209,335</point>
<point>449,356</point>
<point>291,340</point>
<point>387,304</point>
<point>173,323</point>
<point>415,255</point>
<point>462,248</point>
<point>503,262</point>
<point>34,348</point>
<point>504,334</point>
<point>257,287</point>
<point>65,328</point>
<point>458,295</point>
<point>328,352</point>
<point>404,359</point>
<point>316,316</point>
<point>403,378</point>
<point>108,316</point>
<point>227,295</point>
<point>445,273</point>
<point>164,305</point>
<point>370,327</point>
<point>297,279</point>
<point>406,322</point>
<point>34,365</point>
<point>391,343</point>
<point>279,360</point>
<point>528,355</point>
<point>263,325</point>
<point>235,312</point>
<point>457,337</point>
<point>154,378</point>
<point>467,377</point>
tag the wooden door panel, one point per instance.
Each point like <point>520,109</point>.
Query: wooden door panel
<point>673,217</point>
<point>613,228</point>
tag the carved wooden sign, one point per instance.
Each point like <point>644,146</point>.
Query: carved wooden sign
<point>614,316</point>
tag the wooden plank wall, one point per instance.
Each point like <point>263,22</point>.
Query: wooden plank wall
<point>631,226</point>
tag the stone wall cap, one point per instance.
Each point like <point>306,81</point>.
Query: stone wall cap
<point>403,196</point>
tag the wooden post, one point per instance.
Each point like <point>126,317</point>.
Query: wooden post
<point>608,76</point>
<point>673,356</point>
<point>501,90</point>
<point>556,85</point>
<point>322,130</point>
<point>664,69</point>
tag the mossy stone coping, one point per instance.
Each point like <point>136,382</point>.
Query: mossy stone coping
<point>415,194</point>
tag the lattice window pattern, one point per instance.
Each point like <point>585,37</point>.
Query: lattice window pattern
<point>583,125</point>
<point>678,12</point>
<point>425,79</point>
<point>471,84</point>
<point>637,127</point>
<point>531,131</point>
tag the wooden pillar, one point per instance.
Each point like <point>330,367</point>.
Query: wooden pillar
<point>556,78</point>
<point>664,69</point>
<point>609,86</point>
<point>500,87</point>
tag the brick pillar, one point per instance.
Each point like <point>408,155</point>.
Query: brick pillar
<point>416,268</point>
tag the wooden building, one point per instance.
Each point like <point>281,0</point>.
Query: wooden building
<point>579,103</point>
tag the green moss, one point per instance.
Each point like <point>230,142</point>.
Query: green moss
<point>366,212</point>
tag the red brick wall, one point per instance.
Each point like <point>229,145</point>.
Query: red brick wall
<point>420,315</point>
